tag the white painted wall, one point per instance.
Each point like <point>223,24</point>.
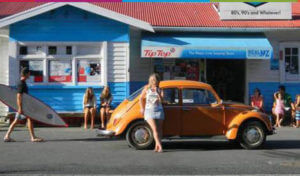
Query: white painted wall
<point>259,70</point>
<point>139,68</point>
<point>117,67</point>
<point>13,63</point>
<point>4,40</point>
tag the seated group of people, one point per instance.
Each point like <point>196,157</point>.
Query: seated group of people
<point>90,106</point>
<point>282,106</point>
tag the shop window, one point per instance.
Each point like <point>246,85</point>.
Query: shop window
<point>60,71</point>
<point>69,50</point>
<point>52,50</point>
<point>197,97</point>
<point>291,64</point>
<point>180,69</point>
<point>89,70</point>
<point>171,96</point>
<point>23,50</point>
<point>36,69</point>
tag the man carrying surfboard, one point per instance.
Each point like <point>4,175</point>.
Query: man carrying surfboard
<point>22,88</point>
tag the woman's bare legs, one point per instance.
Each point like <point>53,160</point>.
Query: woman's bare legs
<point>86,113</point>
<point>93,114</point>
<point>160,133</point>
<point>102,116</point>
<point>154,128</point>
<point>107,117</point>
<point>281,116</point>
<point>277,120</point>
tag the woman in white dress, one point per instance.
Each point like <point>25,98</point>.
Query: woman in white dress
<point>153,110</point>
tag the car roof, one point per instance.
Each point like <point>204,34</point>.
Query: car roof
<point>184,83</point>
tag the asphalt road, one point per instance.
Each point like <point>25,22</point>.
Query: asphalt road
<point>76,151</point>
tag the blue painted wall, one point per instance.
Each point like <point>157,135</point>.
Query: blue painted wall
<point>269,88</point>
<point>69,98</point>
<point>69,24</point>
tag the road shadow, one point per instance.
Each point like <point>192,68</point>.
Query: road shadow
<point>282,144</point>
<point>85,139</point>
<point>226,145</point>
<point>199,145</point>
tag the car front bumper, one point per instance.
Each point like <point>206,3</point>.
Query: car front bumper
<point>273,131</point>
<point>105,133</point>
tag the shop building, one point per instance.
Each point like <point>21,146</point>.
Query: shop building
<point>72,46</point>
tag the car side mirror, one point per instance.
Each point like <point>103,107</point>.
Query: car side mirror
<point>216,104</point>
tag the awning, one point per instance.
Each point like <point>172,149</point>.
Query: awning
<point>206,46</point>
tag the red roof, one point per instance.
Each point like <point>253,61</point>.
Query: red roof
<point>171,14</point>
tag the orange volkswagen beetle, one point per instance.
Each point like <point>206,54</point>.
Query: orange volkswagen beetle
<point>192,109</point>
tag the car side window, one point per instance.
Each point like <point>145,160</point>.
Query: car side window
<point>170,96</point>
<point>197,97</point>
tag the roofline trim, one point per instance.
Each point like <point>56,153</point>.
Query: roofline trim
<point>84,6</point>
<point>217,29</point>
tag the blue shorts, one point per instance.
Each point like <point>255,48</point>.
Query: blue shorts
<point>20,116</point>
<point>157,114</point>
<point>297,115</point>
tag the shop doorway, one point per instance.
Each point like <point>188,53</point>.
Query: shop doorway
<point>180,69</point>
<point>227,77</point>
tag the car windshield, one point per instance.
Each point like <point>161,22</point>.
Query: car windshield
<point>135,94</point>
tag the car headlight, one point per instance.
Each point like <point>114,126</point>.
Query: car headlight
<point>255,110</point>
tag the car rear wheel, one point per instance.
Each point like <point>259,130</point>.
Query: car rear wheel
<point>252,135</point>
<point>139,136</point>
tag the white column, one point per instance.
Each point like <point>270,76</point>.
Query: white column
<point>104,63</point>
<point>4,60</point>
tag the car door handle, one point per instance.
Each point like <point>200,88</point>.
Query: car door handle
<point>186,109</point>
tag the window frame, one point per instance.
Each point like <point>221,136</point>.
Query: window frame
<point>194,104</point>
<point>36,59</point>
<point>283,46</point>
<point>178,94</point>
<point>100,53</point>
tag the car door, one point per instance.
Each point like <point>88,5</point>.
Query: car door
<point>172,110</point>
<point>199,117</point>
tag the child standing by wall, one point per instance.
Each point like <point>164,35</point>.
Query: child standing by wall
<point>279,109</point>
<point>296,110</point>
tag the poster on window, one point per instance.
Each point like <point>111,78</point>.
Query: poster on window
<point>36,70</point>
<point>89,71</point>
<point>60,71</point>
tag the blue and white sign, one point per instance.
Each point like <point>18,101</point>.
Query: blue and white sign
<point>205,53</point>
<point>206,46</point>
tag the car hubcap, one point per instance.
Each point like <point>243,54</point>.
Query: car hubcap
<point>252,135</point>
<point>141,135</point>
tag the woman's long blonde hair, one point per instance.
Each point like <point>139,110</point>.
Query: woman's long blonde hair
<point>105,93</point>
<point>89,94</point>
<point>153,80</point>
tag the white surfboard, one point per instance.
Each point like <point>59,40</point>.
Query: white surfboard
<point>32,107</point>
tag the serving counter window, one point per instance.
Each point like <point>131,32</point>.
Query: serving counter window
<point>60,71</point>
<point>89,70</point>
<point>36,70</point>
<point>69,63</point>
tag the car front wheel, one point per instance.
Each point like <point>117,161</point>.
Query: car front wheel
<point>252,135</point>
<point>139,136</point>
